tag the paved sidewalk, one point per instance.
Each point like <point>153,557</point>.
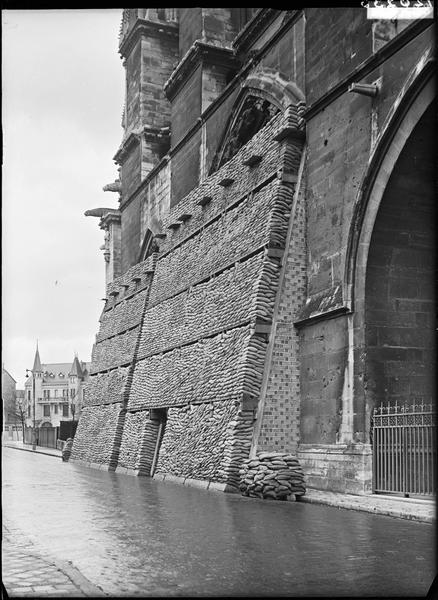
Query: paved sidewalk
<point>26,573</point>
<point>413,509</point>
<point>28,448</point>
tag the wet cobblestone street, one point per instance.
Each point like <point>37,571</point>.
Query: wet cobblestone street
<point>136,536</point>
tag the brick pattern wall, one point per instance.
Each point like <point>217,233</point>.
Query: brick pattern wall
<point>281,414</point>
<point>131,171</point>
<point>130,231</point>
<point>287,55</point>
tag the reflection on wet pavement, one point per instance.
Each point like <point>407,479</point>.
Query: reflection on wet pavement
<point>136,536</point>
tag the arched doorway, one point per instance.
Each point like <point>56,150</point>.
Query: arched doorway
<point>399,316</point>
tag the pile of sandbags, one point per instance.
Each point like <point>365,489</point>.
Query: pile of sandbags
<point>272,475</point>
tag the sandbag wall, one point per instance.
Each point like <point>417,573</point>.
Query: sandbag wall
<point>139,440</point>
<point>203,340</point>
<point>99,434</point>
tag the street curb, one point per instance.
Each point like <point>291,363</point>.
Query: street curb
<point>78,579</point>
<point>65,567</point>
<point>33,451</point>
<point>221,487</point>
<point>375,510</point>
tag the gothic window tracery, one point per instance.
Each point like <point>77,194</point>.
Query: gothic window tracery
<point>254,113</point>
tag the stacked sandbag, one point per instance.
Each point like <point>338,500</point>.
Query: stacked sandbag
<point>237,445</point>
<point>114,351</point>
<point>234,235</point>
<point>122,316</point>
<point>244,180</point>
<point>195,441</point>
<point>97,432</point>
<point>148,443</point>
<point>66,451</point>
<point>210,370</point>
<point>272,475</point>
<point>222,302</point>
<point>104,388</point>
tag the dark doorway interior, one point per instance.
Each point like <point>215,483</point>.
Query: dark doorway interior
<point>400,283</point>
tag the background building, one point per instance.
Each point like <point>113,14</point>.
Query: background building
<point>9,392</point>
<point>270,262</point>
<point>58,389</point>
<point>12,405</point>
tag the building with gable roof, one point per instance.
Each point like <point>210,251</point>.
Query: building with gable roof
<point>59,391</point>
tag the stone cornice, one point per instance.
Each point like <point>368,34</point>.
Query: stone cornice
<point>254,28</point>
<point>114,216</point>
<point>126,145</point>
<point>153,134</point>
<point>144,27</point>
<point>148,133</point>
<point>198,53</point>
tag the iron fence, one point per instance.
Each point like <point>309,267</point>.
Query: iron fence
<point>404,447</point>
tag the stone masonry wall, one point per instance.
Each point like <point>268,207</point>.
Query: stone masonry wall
<point>281,415</point>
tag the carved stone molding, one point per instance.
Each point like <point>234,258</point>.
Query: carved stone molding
<point>147,28</point>
<point>198,53</point>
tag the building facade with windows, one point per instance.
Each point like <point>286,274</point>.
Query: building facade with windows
<point>58,391</point>
<point>270,260</point>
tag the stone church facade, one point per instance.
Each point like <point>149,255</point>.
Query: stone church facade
<point>269,266</point>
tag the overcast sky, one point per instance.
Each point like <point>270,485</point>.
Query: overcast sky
<point>62,86</point>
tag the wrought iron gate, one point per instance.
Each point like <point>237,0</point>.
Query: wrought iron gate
<point>404,447</point>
